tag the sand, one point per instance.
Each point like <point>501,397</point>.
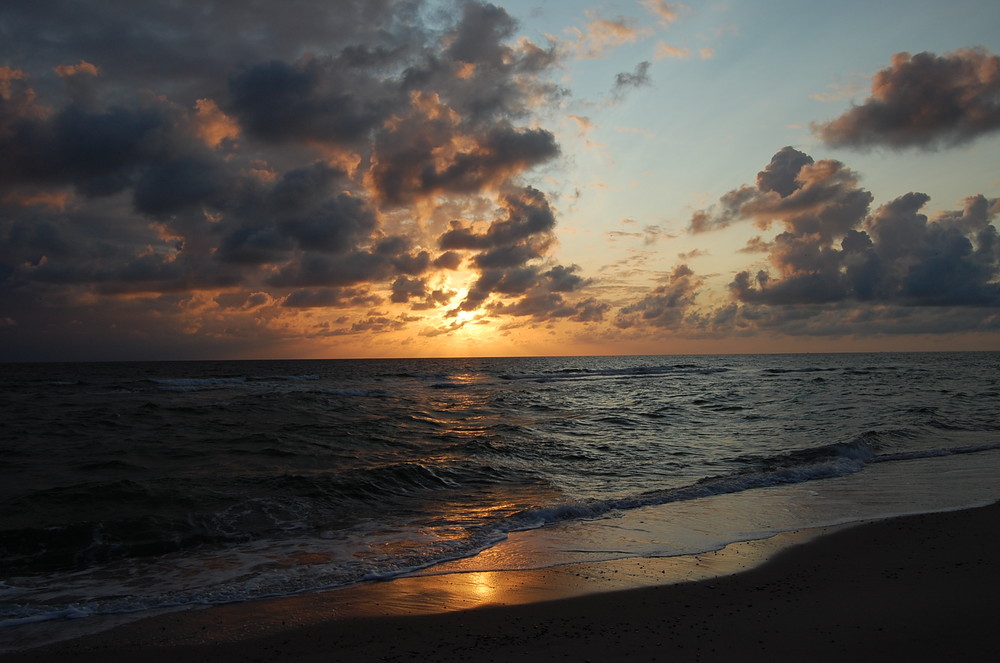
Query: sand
<point>912,588</point>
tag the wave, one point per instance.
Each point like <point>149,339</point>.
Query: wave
<point>834,460</point>
<point>186,385</point>
<point>807,369</point>
<point>287,378</point>
<point>145,519</point>
<point>361,393</point>
<point>628,372</point>
<point>191,384</point>
<point>359,553</point>
<point>164,516</point>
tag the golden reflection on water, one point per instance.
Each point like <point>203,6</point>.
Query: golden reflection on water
<point>457,413</point>
<point>481,585</point>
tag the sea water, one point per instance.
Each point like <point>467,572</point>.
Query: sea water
<point>131,487</point>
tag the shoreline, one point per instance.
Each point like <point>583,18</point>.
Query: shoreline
<point>920,585</point>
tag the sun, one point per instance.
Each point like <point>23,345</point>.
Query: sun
<point>465,317</point>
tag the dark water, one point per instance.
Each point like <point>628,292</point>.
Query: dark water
<point>129,486</point>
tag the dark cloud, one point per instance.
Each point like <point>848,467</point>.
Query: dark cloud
<point>480,36</point>
<point>839,320</point>
<point>284,154</point>
<point>811,198</point>
<point>409,165</point>
<point>952,260</point>
<point>412,264</point>
<point>527,215</point>
<point>520,235</point>
<point>314,269</point>
<point>901,257</point>
<point>188,49</point>
<point>625,81</point>
<point>532,290</point>
<point>328,297</point>
<point>171,185</point>
<point>433,299</point>
<point>404,288</point>
<point>375,323</point>
<point>301,210</point>
<point>923,101</point>
<point>97,153</point>
<point>335,226</point>
<point>832,250</point>
<point>591,310</point>
<point>565,279</point>
<point>325,100</point>
<point>242,300</point>
<point>835,267</point>
<point>448,260</point>
<point>781,174</point>
<point>541,305</point>
<point>485,77</point>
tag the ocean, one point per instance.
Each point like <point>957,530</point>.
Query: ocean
<point>127,488</point>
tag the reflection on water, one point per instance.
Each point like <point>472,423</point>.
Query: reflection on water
<point>190,484</point>
<point>689,527</point>
<point>482,584</point>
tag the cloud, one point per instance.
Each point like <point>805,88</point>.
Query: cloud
<point>602,35</point>
<point>519,236</point>
<point>70,70</point>
<point>147,157</point>
<point>649,235</point>
<point>409,167</point>
<point>565,279</point>
<point>513,279</point>
<point>666,12</point>
<point>583,123</point>
<point>526,216</point>
<point>835,266</point>
<point>312,99</point>
<point>403,288</point>
<point>328,297</point>
<point>813,198</point>
<point>213,126</point>
<point>692,254</point>
<point>544,305</point>
<point>666,305</point>
<point>832,250</point>
<point>626,81</point>
<point>923,101</point>
<point>666,51</point>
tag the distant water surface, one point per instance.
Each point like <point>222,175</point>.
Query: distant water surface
<point>126,487</point>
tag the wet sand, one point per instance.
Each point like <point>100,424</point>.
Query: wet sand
<point>918,587</point>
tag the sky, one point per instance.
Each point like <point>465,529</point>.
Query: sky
<point>190,179</point>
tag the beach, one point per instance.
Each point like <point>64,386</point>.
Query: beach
<point>921,586</point>
<point>602,508</point>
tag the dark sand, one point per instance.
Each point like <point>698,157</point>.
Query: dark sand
<point>915,588</point>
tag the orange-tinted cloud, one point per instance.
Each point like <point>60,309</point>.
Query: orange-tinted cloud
<point>665,50</point>
<point>666,12</point>
<point>602,35</point>
<point>84,67</point>
<point>212,125</point>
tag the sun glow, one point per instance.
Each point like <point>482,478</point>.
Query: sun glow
<point>463,318</point>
